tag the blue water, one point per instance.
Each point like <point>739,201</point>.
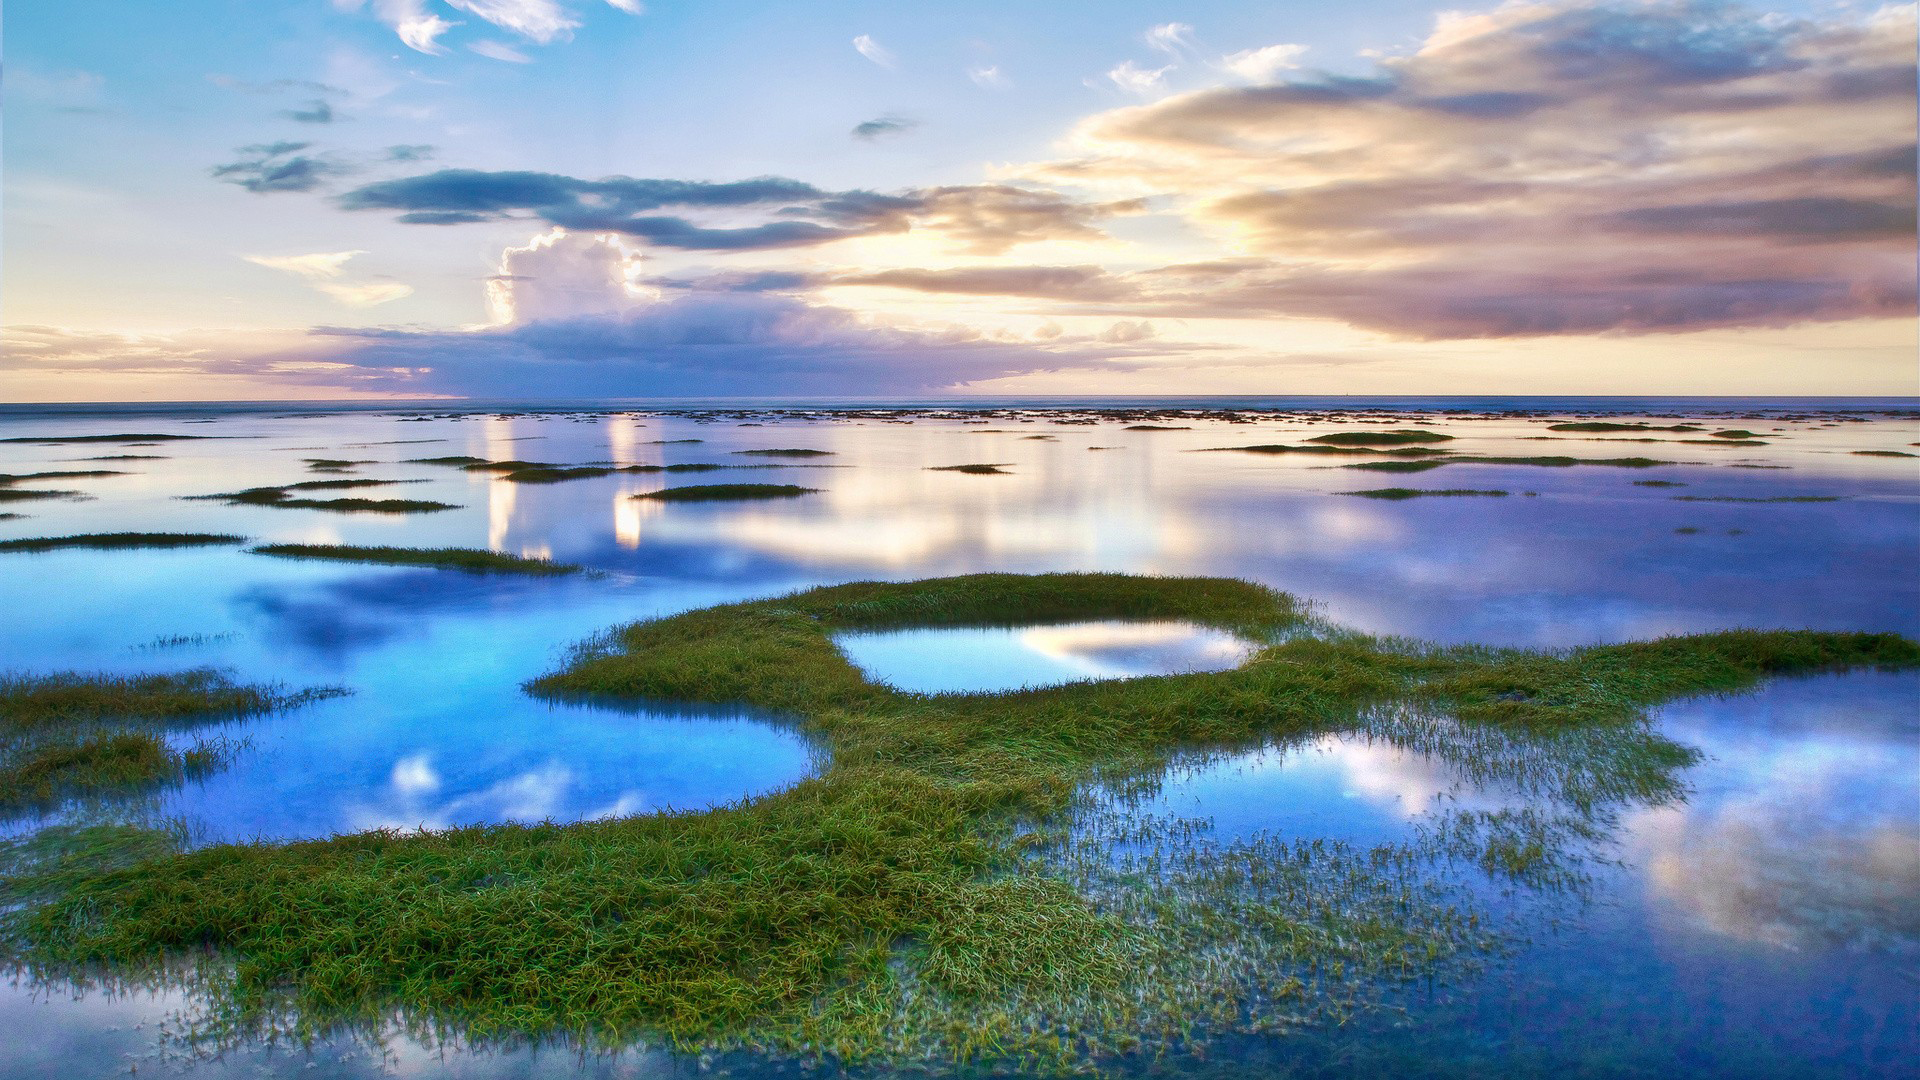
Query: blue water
<point>1764,925</point>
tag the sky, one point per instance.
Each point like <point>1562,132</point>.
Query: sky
<point>567,199</point>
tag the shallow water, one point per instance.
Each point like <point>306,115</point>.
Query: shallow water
<point>1765,925</point>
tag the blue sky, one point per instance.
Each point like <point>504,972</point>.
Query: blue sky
<point>220,199</point>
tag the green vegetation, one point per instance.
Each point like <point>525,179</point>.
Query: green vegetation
<point>9,494</point>
<point>11,517</point>
<point>943,888</point>
<point>127,457</point>
<point>1754,499</point>
<point>788,452</point>
<point>1415,493</point>
<point>1546,462</point>
<point>1658,483</point>
<point>468,559</point>
<point>1883,453</point>
<point>282,498</point>
<point>112,541</point>
<point>334,464</point>
<point>68,734</point>
<point>1735,433</point>
<point>1285,448</point>
<point>1721,442</point>
<point>1153,427</point>
<point>726,492</point>
<point>10,479</point>
<point>49,440</point>
<point>1606,425</point>
<point>1394,466</point>
<point>977,469</point>
<point>1398,437</point>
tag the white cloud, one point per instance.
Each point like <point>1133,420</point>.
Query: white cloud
<point>418,30</point>
<point>631,7</point>
<point>1263,64</point>
<point>314,267</point>
<point>494,50</point>
<point>366,295</point>
<point>561,274</point>
<point>1138,80</point>
<point>540,21</point>
<point>990,77</point>
<point>1172,38</point>
<point>873,51</point>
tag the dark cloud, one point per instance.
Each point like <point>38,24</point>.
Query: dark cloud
<point>883,126</point>
<point>984,218</point>
<point>693,344</point>
<point>1809,218</point>
<point>316,112</point>
<point>410,152</point>
<point>265,168</point>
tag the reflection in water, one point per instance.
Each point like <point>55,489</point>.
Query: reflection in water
<point>947,660</point>
<point>1761,921</point>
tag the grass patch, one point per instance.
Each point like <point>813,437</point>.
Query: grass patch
<point>1398,437</point>
<point>1415,493</point>
<point>10,479</point>
<point>787,452</point>
<point>13,494</point>
<point>66,735</point>
<point>51,440</point>
<point>1882,453</point>
<point>1721,442</point>
<point>1153,427</point>
<point>1551,462</point>
<point>12,517</point>
<point>282,497</point>
<point>1658,483</point>
<point>127,457</point>
<point>977,469</point>
<point>1758,499</point>
<point>468,559</point>
<point>1736,433</point>
<point>918,899</point>
<point>726,492</point>
<point>1287,448</point>
<point>114,541</point>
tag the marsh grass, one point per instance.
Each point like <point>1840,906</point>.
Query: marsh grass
<point>725,492</point>
<point>50,440</point>
<point>1757,499</point>
<point>1658,483</point>
<point>1398,437</point>
<point>13,494</point>
<point>282,497</point>
<point>976,469</point>
<point>10,479</point>
<point>1882,453</point>
<point>1415,493</point>
<point>931,893</point>
<point>69,734</point>
<point>468,559</point>
<point>1607,425</point>
<point>117,541</point>
<point>795,452</point>
<point>1551,461</point>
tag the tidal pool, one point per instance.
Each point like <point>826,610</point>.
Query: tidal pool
<point>1760,922</point>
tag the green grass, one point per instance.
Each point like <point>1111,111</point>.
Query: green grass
<point>113,541</point>
<point>1400,437</point>
<point>725,492</point>
<point>468,559</point>
<point>49,440</point>
<point>10,479</point>
<point>12,494</point>
<point>1721,442</point>
<point>1735,433</point>
<point>67,735</point>
<point>1415,493</point>
<point>1883,453</point>
<point>127,457</point>
<point>787,452</point>
<point>1153,427</point>
<point>282,498</point>
<point>923,896</point>
<point>1552,462</point>
<point>1658,483</point>
<point>976,469</point>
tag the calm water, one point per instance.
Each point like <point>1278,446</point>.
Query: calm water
<point>1767,925</point>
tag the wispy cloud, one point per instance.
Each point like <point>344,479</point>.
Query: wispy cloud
<point>990,77</point>
<point>1135,79</point>
<point>267,168</point>
<point>539,21</point>
<point>317,111</point>
<point>874,51</point>
<point>494,50</point>
<point>1263,64</point>
<point>883,126</point>
<point>1172,38</point>
<point>322,271</point>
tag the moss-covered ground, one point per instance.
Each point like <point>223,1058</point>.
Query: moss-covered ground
<point>944,888</point>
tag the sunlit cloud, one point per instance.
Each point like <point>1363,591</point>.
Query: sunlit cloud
<point>1264,64</point>
<point>874,51</point>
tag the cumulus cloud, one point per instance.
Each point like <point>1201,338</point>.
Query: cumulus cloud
<point>874,51</point>
<point>561,274</point>
<point>266,168</point>
<point>882,126</point>
<point>1548,168</point>
<point>778,212</point>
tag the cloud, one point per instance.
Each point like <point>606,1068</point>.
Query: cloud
<point>561,274</point>
<point>266,168</point>
<point>873,51</point>
<point>539,21</point>
<point>321,269</point>
<point>1544,168</point>
<point>778,212</point>
<point>883,126</point>
<point>989,77</point>
<point>316,112</point>
<point>1172,38</point>
<point>1051,282</point>
<point>410,152</point>
<point>631,7</point>
<point>494,50</point>
<point>416,27</point>
<point>1135,79</point>
<point>1263,65</point>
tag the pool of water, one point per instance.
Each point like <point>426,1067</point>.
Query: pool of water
<point>986,659</point>
<point>1763,922</point>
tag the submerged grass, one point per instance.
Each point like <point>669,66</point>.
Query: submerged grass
<point>725,492</point>
<point>918,898</point>
<point>112,541</point>
<point>1415,493</point>
<point>69,734</point>
<point>468,559</point>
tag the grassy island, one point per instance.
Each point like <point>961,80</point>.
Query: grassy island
<point>929,894</point>
<point>472,560</point>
